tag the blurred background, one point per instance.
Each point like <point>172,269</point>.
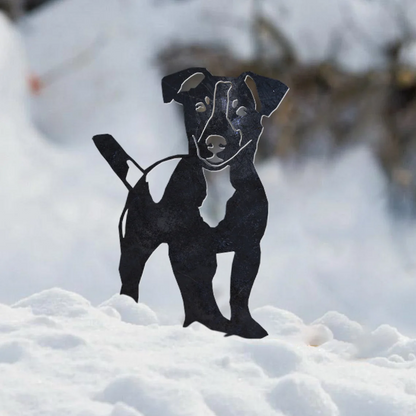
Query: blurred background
<point>338,159</point>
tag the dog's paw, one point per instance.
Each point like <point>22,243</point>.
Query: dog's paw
<point>247,328</point>
<point>215,323</point>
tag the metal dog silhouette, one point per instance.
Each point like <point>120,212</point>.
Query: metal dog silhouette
<point>223,126</point>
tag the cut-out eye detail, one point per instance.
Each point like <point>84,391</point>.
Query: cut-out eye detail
<point>235,103</point>
<point>207,100</point>
<point>200,107</point>
<point>241,111</point>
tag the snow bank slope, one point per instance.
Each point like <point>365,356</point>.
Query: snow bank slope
<point>58,216</point>
<point>60,355</point>
<point>43,221</point>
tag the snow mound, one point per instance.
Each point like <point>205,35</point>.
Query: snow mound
<point>58,360</point>
<point>316,335</point>
<point>154,396</point>
<point>274,357</point>
<point>55,302</point>
<point>388,346</point>
<point>370,399</point>
<point>278,321</point>
<point>302,395</point>
<point>342,328</point>
<point>130,311</point>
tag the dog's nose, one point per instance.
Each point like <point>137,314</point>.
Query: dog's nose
<point>215,144</point>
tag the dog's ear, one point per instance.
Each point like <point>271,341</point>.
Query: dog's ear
<point>175,84</point>
<point>270,92</point>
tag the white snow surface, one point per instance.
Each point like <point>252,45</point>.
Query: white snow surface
<point>59,355</point>
<point>336,280</point>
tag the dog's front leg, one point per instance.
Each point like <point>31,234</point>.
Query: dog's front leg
<point>194,264</point>
<point>244,271</point>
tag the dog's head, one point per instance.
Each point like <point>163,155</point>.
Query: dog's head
<point>222,115</point>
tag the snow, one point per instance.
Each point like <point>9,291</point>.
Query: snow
<point>61,355</point>
<point>129,310</point>
<point>336,286</point>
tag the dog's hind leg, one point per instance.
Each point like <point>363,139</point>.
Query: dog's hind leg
<point>137,244</point>
<point>132,262</point>
<point>138,237</point>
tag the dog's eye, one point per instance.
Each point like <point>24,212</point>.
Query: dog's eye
<point>200,107</point>
<point>241,111</point>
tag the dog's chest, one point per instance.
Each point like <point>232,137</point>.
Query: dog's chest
<point>219,191</point>
<point>193,188</point>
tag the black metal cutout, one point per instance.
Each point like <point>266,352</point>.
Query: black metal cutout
<point>223,128</point>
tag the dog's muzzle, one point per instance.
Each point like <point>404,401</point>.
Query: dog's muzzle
<point>215,144</point>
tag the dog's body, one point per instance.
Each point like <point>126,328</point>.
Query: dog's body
<point>223,127</point>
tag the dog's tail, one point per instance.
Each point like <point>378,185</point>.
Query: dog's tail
<point>115,155</point>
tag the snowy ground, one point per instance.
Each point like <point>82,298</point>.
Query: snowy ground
<point>61,356</point>
<point>331,245</point>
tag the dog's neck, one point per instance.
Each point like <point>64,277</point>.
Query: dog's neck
<point>240,173</point>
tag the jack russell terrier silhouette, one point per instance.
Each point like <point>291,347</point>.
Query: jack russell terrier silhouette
<point>223,121</point>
